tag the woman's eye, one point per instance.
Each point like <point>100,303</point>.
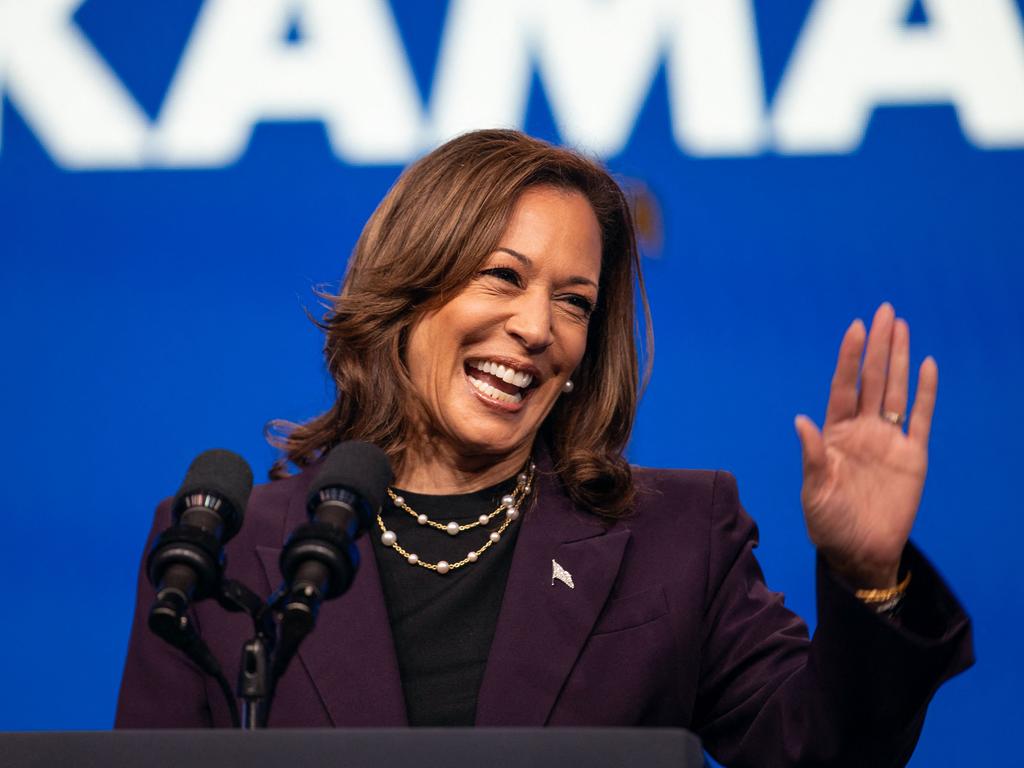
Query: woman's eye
<point>504,273</point>
<point>585,305</point>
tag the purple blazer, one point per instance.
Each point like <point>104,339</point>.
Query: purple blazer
<point>669,623</point>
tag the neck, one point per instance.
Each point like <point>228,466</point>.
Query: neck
<point>439,471</point>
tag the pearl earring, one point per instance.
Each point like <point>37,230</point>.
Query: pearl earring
<point>567,387</point>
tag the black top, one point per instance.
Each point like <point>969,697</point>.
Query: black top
<point>443,624</point>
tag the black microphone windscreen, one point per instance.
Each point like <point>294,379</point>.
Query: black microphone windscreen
<point>223,474</point>
<point>361,467</point>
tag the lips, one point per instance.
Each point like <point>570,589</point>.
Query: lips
<point>501,380</point>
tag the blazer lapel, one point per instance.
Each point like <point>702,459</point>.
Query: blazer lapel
<point>543,623</point>
<point>350,656</point>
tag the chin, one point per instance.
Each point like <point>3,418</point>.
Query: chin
<point>486,437</point>
<point>481,445</point>
<point>484,428</point>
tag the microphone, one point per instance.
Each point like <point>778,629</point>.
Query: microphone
<point>320,559</point>
<point>186,562</point>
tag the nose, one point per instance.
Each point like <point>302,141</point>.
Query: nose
<point>530,321</point>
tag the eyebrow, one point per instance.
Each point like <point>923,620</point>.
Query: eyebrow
<point>527,262</point>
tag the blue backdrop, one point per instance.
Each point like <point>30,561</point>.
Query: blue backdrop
<point>175,178</point>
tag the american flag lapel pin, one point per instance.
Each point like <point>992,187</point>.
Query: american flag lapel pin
<point>562,575</point>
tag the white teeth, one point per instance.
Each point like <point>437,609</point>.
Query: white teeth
<point>494,393</point>
<point>507,374</point>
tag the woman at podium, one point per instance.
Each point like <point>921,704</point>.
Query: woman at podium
<point>521,572</point>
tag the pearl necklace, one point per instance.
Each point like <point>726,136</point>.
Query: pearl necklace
<point>510,505</point>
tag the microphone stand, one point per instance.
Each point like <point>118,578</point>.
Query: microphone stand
<point>255,686</point>
<point>264,656</point>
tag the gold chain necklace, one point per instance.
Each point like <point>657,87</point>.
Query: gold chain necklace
<point>509,505</point>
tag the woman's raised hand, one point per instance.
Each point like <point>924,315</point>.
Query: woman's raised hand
<point>863,475</point>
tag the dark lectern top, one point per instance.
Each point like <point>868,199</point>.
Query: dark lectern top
<point>358,748</point>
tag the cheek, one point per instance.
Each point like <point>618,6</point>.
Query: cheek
<point>576,346</point>
<point>437,364</point>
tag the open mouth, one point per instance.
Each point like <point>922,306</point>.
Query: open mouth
<point>500,382</point>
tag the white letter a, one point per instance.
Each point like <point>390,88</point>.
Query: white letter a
<point>349,70</point>
<point>857,54</point>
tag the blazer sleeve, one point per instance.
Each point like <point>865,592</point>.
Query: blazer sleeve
<point>160,687</point>
<point>853,695</point>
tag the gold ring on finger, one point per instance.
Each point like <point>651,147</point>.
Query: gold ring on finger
<point>894,417</point>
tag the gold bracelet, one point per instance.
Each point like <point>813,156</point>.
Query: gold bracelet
<point>884,595</point>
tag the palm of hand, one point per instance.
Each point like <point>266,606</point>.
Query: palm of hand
<point>863,476</point>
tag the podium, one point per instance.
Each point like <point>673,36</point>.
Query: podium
<point>357,748</point>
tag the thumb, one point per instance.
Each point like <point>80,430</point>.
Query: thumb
<point>812,446</point>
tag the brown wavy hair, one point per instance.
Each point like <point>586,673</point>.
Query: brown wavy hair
<point>425,241</point>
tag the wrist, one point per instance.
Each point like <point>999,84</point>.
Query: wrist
<point>885,601</point>
<point>864,576</point>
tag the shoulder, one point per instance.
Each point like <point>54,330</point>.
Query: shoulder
<point>274,508</point>
<point>698,511</point>
<point>675,492</point>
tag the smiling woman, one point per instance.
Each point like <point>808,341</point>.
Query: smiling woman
<point>523,573</point>
<point>494,248</point>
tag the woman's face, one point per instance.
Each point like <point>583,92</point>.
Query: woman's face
<point>491,363</point>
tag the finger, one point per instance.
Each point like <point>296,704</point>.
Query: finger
<point>876,361</point>
<point>842,397</point>
<point>812,446</point>
<point>899,370</point>
<point>924,401</point>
